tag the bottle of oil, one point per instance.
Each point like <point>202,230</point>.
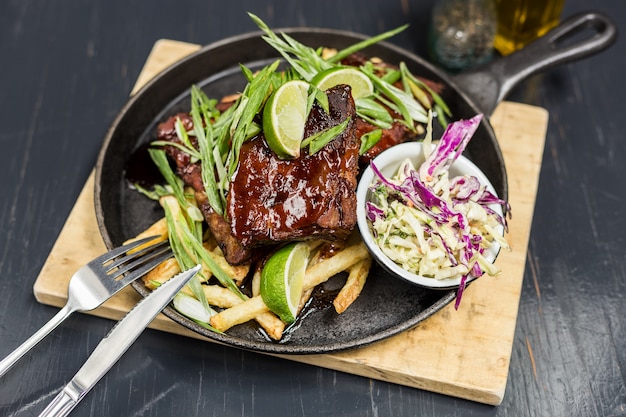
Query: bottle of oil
<point>461,33</point>
<point>522,21</point>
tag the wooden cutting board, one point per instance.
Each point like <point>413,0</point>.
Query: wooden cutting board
<point>463,353</point>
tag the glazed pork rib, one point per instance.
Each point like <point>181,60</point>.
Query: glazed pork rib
<point>271,200</point>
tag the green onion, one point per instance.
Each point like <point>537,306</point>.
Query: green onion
<point>181,132</point>
<point>218,272</point>
<point>318,140</point>
<point>391,75</point>
<point>436,97</point>
<point>182,231</point>
<point>372,111</point>
<point>319,96</point>
<point>365,43</point>
<point>206,144</point>
<point>190,151</point>
<point>251,102</point>
<point>192,308</point>
<point>370,139</point>
<point>160,160</point>
<point>157,192</point>
<point>408,107</point>
<point>303,60</point>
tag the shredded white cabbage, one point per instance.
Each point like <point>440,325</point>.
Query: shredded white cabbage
<point>425,245</point>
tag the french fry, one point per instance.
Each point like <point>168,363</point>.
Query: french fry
<point>230,98</point>
<point>161,273</point>
<point>329,267</point>
<point>320,252</point>
<point>271,324</point>
<point>239,313</point>
<point>216,295</point>
<point>304,298</point>
<point>325,268</point>
<point>314,245</point>
<point>357,275</point>
<point>166,270</point>
<point>328,52</point>
<point>237,272</point>
<point>256,282</point>
<point>222,297</point>
<point>219,296</point>
<point>157,229</point>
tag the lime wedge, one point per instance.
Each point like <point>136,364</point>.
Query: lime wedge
<point>360,83</point>
<point>282,280</point>
<point>284,117</point>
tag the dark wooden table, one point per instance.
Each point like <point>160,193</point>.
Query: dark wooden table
<point>67,67</point>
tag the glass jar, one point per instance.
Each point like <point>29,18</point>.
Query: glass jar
<point>462,33</point>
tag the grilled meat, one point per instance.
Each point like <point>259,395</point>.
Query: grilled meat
<point>271,200</point>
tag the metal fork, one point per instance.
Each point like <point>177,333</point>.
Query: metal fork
<point>95,283</point>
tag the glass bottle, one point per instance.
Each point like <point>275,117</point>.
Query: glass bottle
<point>462,33</point>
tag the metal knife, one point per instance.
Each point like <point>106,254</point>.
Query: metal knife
<point>114,344</point>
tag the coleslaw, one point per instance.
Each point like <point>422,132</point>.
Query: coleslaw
<point>435,225</point>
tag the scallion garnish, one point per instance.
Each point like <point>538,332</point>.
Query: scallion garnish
<point>369,139</point>
<point>251,103</point>
<point>318,140</point>
<point>206,144</point>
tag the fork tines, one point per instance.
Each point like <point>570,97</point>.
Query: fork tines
<point>140,261</point>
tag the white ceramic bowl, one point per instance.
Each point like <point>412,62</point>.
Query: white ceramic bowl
<point>388,163</point>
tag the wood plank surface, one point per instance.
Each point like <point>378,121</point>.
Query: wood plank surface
<point>463,353</point>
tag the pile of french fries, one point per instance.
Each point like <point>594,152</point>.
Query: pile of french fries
<point>351,257</point>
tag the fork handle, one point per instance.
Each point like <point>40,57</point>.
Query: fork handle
<point>14,356</point>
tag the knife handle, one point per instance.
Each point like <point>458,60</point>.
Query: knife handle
<point>63,403</point>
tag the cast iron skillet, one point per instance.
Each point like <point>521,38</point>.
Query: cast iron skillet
<point>387,305</point>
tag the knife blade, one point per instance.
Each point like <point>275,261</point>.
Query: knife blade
<point>115,343</point>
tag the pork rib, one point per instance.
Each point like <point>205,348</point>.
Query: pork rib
<point>271,200</point>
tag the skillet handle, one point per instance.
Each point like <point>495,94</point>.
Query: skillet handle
<point>491,83</point>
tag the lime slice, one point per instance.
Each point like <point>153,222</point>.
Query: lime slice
<point>282,280</point>
<point>360,83</point>
<point>284,117</point>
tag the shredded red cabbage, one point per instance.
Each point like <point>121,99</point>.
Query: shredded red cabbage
<point>452,144</point>
<point>415,190</point>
